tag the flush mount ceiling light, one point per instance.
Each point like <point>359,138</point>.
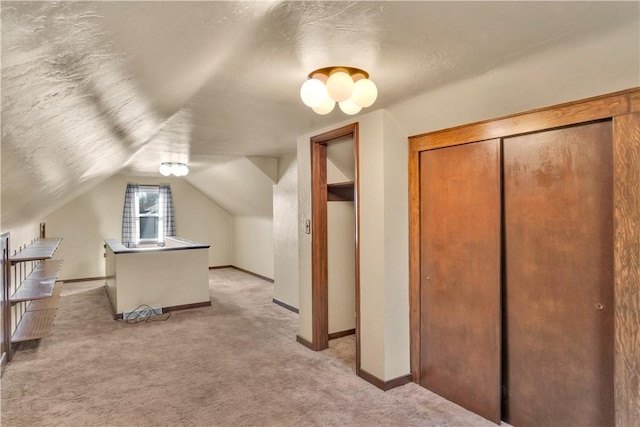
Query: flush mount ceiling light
<point>177,169</point>
<point>349,87</point>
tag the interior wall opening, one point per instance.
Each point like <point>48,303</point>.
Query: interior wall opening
<point>335,260</point>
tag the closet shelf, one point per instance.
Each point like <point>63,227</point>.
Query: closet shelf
<point>38,250</point>
<point>340,192</point>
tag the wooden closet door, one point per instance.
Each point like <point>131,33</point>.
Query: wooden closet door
<point>460,275</point>
<point>559,277</point>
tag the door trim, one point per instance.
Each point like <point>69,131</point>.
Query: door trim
<point>319,271</point>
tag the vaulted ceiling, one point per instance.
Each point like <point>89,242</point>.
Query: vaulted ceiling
<point>90,89</point>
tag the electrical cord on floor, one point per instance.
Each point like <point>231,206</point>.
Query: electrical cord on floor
<point>145,313</point>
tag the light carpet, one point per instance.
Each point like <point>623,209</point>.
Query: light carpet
<point>235,363</point>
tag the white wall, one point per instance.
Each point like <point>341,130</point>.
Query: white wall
<point>87,220</point>
<point>372,238</point>
<point>20,235</point>
<point>396,243</point>
<point>285,232</point>
<point>375,250</point>
<point>253,244</point>
<point>341,241</point>
<point>341,262</point>
<point>305,325</point>
<point>334,174</point>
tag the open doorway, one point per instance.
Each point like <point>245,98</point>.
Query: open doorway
<point>335,219</point>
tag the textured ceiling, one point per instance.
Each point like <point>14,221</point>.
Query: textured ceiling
<point>93,88</point>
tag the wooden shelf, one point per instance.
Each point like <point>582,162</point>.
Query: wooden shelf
<point>47,303</point>
<point>34,325</point>
<point>33,289</point>
<point>46,269</point>
<point>39,284</point>
<point>40,288</point>
<point>38,250</point>
<point>340,192</point>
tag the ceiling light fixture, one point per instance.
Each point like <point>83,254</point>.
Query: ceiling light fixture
<point>349,87</point>
<point>177,169</point>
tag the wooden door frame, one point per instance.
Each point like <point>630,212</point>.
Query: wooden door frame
<point>319,266</point>
<point>624,110</point>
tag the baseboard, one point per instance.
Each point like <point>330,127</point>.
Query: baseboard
<point>398,381</point>
<point>385,385</point>
<point>287,306</point>
<point>119,316</point>
<point>304,342</point>
<point>341,334</point>
<point>85,279</point>
<point>186,306</point>
<point>259,276</point>
<point>219,266</point>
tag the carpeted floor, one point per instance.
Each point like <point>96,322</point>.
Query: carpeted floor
<point>233,364</point>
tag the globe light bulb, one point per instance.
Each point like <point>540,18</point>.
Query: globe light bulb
<point>340,86</point>
<point>348,107</point>
<point>365,93</point>
<point>184,170</point>
<point>175,169</point>
<point>313,92</point>
<point>326,107</point>
<point>165,169</point>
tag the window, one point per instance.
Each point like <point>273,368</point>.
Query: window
<point>147,216</point>
<point>149,213</point>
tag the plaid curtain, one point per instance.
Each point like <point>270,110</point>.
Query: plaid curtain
<point>130,217</point>
<point>167,222</point>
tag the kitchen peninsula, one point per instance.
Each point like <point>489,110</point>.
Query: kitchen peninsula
<point>171,277</point>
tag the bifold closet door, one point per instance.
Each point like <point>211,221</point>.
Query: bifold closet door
<point>460,275</point>
<point>559,277</point>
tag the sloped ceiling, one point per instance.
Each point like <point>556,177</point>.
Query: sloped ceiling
<point>90,89</point>
<point>238,185</point>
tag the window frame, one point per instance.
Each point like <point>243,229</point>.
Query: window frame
<point>149,189</point>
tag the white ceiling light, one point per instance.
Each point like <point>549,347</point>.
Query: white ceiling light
<point>177,169</point>
<point>340,86</point>
<point>325,107</point>
<point>365,93</point>
<point>348,86</point>
<point>313,92</point>
<point>349,107</point>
